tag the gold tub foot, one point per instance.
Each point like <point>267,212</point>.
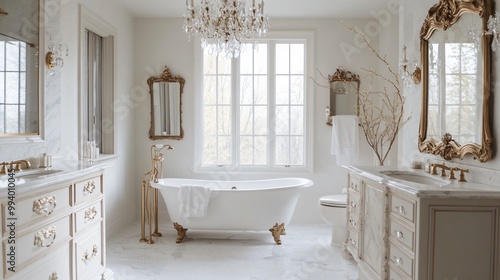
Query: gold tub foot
<point>181,232</point>
<point>277,231</point>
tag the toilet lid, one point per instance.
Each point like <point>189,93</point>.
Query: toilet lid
<point>333,200</point>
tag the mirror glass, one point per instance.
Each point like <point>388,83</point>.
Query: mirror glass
<point>166,93</point>
<point>456,80</point>
<point>19,71</point>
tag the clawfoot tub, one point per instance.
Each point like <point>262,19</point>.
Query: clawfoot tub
<point>256,205</point>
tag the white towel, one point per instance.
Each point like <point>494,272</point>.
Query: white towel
<point>193,201</point>
<point>345,139</point>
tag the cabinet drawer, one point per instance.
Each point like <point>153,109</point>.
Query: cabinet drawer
<point>353,204</point>
<point>88,189</point>
<point>353,222</point>
<point>54,266</point>
<point>40,240</point>
<point>354,184</point>
<point>88,216</point>
<point>353,243</point>
<point>403,208</point>
<point>89,254</point>
<point>401,260</point>
<point>35,208</point>
<point>393,275</point>
<point>402,235</point>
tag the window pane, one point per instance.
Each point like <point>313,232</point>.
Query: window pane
<point>260,150</point>
<point>434,58</point>
<point>452,89</point>
<point>12,53</point>
<point>282,150</point>
<point>12,118</point>
<point>22,120</point>
<point>209,63</point>
<point>12,85</point>
<point>434,89</point>
<point>224,90</point>
<point>260,90</point>
<point>246,120</point>
<point>433,126</point>
<point>469,89</point>
<point>224,120</point>
<point>260,120</point>
<point>296,150</point>
<point>2,57</point>
<point>452,120</point>
<point>469,58</point>
<point>452,52</point>
<point>224,66</point>
<point>297,90</point>
<point>246,63</point>
<point>209,90</point>
<point>282,120</point>
<point>246,150</point>
<point>282,59</point>
<point>246,90</point>
<point>2,87</point>
<point>282,89</point>
<point>210,150</point>
<point>2,118</point>
<point>224,150</point>
<point>297,58</point>
<point>22,89</point>
<point>209,117</point>
<point>468,120</point>
<point>23,56</point>
<point>260,57</point>
<point>297,120</point>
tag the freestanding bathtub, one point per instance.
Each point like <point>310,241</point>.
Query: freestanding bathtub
<point>254,205</point>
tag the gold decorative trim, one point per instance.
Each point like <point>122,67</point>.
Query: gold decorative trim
<point>442,16</point>
<point>90,214</point>
<point>48,60</point>
<point>45,206</point>
<point>89,188</point>
<point>166,76</point>
<point>277,231</point>
<point>181,232</point>
<point>342,75</point>
<point>54,276</point>
<point>88,257</point>
<point>3,13</point>
<point>48,234</point>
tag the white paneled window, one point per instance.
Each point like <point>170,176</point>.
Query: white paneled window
<point>254,107</point>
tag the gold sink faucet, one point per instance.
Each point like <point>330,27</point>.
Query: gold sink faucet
<point>17,164</point>
<point>4,169</point>
<point>443,167</point>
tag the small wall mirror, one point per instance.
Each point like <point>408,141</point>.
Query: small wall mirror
<point>456,58</point>
<point>344,86</point>
<point>21,80</point>
<point>166,106</point>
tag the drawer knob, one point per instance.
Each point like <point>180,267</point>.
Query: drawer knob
<point>45,206</point>
<point>400,209</point>
<point>353,242</point>
<point>89,188</point>
<point>398,261</point>
<point>54,276</point>
<point>353,222</point>
<point>46,237</point>
<point>399,234</point>
<point>353,205</point>
<point>90,214</point>
<point>88,257</point>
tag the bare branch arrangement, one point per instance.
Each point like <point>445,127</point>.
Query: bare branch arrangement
<point>381,113</point>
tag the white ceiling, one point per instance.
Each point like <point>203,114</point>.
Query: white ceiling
<point>275,8</point>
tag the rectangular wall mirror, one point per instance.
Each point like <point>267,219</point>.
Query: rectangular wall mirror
<point>166,104</point>
<point>344,86</point>
<point>21,78</point>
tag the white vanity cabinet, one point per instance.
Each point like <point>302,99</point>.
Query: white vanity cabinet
<point>404,235</point>
<point>58,231</point>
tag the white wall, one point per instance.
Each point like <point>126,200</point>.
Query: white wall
<point>160,42</point>
<point>118,177</point>
<point>411,20</point>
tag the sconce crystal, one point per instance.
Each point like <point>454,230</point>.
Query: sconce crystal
<point>54,56</point>
<point>493,29</point>
<point>411,72</point>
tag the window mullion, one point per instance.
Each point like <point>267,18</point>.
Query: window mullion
<point>271,100</point>
<point>235,109</point>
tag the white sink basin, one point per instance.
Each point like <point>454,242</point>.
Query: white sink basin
<point>31,174</point>
<point>415,177</point>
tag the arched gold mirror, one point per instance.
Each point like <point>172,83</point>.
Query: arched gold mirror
<point>166,102</point>
<point>456,75</point>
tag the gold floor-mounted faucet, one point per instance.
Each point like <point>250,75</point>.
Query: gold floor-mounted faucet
<point>149,196</point>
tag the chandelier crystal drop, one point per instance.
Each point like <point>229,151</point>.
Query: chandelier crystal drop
<point>225,25</point>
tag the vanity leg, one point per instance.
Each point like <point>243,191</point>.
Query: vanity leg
<point>181,232</point>
<point>277,231</point>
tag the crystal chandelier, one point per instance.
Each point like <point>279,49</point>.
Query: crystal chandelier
<point>225,25</point>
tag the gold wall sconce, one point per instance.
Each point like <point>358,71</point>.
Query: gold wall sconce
<point>410,69</point>
<point>494,30</point>
<point>3,13</point>
<point>54,56</point>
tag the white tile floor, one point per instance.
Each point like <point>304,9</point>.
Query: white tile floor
<point>304,254</point>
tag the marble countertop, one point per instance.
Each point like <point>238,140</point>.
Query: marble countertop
<point>63,171</point>
<point>451,188</point>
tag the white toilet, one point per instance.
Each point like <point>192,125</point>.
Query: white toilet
<point>333,211</point>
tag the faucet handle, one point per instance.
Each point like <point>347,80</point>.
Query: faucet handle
<point>462,175</point>
<point>4,169</point>
<point>452,174</point>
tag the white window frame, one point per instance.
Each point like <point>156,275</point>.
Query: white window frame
<point>308,36</point>
<point>92,22</point>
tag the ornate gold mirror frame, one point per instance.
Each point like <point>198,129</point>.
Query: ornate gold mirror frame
<point>342,83</point>
<point>442,16</point>
<point>156,117</point>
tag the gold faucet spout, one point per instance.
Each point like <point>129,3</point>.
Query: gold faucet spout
<point>17,164</point>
